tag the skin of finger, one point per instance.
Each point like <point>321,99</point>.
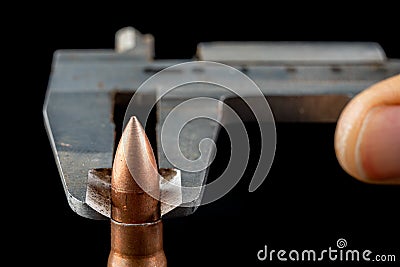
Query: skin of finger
<point>379,145</point>
<point>386,92</point>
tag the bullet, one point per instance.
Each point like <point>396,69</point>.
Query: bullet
<point>136,226</point>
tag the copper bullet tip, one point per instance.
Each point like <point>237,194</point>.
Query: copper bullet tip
<point>136,227</point>
<point>135,180</point>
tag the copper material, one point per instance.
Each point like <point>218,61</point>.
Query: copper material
<point>136,245</point>
<point>136,227</point>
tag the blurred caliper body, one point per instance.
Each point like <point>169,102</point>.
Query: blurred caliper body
<point>302,81</point>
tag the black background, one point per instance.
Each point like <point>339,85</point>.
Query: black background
<point>307,202</point>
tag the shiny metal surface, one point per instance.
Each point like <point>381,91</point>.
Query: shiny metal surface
<point>136,227</point>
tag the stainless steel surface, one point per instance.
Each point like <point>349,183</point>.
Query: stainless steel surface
<point>80,99</point>
<point>292,52</point>
<point>125,40</point>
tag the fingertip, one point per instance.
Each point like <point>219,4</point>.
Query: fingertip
<point>378,148</point>
<point>361,144</point>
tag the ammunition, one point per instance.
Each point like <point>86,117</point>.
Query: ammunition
<point>136,226</point>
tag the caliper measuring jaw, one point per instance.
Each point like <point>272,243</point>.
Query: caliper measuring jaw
<point>302,82</point>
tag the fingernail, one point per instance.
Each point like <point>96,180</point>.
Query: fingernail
<point>379,144</point>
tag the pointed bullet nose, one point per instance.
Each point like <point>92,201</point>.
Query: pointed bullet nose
<point>134,182</point>
<point>134,157</point>
<point>135,140</point>
<point>136,226</point>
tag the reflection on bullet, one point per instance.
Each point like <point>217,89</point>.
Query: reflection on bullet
<point>136,226</point>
